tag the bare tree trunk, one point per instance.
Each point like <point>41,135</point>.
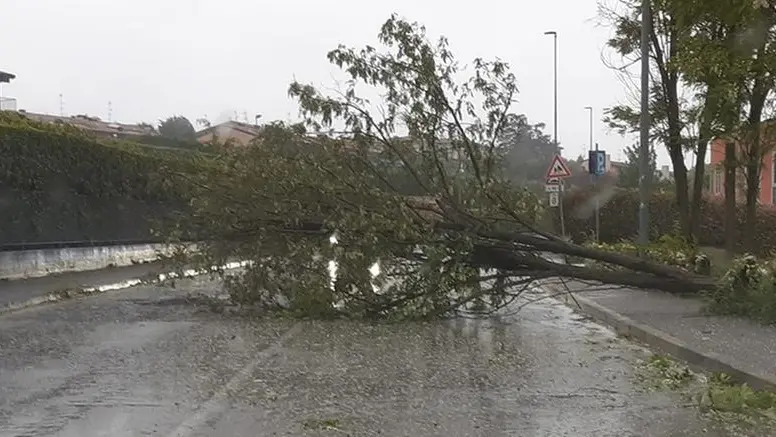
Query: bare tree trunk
<point>731,222</point>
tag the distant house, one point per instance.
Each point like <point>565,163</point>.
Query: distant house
<point>237,132</point>
<point>94,125</point>
<point>767,195</point>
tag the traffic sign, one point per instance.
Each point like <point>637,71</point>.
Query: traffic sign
<point>558,168</point>
<point>554,200</point>
<point>553,181</point>
<point>552,188</point>
<point>596,162</point>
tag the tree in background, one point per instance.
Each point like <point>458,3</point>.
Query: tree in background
<point>528,150</point>
<point>204,122</point>
<point>680,118</point>
<point>712,65</point>
<point>729,51</point>
<point>148,126</point>
<point>629,174</point>
<point>177,127</point>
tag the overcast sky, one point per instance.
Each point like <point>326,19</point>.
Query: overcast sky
<point>198,58</point>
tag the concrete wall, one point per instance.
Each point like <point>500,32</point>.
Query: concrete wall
<point>42,262</point>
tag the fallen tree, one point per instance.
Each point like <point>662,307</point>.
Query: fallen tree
<point>471,237</point>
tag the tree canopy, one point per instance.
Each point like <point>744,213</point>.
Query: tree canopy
<point>630,173</point>
<point>528,150</point>
<point>177,127</point>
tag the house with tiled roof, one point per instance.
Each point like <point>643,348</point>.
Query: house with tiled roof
<point>94,125</point>
<point>236,132</point>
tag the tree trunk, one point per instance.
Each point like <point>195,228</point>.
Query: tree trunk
<point>752,192</point>
<point>523,254</point>
<point>702,146</point>
<point>669,80</point>
<point>682,197</point>
<point>697,190</point>
<point>731,221</point>
<point>755,149</point>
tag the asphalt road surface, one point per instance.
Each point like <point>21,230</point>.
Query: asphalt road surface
<point>146,362</point>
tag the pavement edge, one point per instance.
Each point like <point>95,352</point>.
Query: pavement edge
<point>666,343</point>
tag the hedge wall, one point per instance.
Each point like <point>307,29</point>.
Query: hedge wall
<point>619,219</point>
<point>57,183</point>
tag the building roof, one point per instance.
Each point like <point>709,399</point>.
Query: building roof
<point>246,128</point>
<point>93,124</point>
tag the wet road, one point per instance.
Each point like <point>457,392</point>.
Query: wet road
<point>145,362</point>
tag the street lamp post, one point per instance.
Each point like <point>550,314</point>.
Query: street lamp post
<point>554,85</point>
<point>590,111</point>
<point>555,121</point>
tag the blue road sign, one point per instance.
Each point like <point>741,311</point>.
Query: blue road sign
<point>596,162</point>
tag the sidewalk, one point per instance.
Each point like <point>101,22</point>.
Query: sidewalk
<point>19,293</point>
<point>678,326</point>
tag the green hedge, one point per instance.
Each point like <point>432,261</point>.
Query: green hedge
<point>61,183</point>
<point>42,157</point>
<point>158,140</point>
<point>619,219</point>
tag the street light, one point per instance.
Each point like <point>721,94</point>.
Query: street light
<point>590,110</point>
<point>555,122</point>
<point>555,86</point>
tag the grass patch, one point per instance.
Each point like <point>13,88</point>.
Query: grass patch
<point>736,407</point>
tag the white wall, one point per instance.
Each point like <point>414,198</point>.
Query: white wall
<point>34,263</point>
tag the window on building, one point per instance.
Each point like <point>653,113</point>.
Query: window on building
<point>717,182</point>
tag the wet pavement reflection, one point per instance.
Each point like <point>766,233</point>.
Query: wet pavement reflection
<point>148,362</point>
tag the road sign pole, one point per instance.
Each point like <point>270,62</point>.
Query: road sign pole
<point>558,171</point>
<point>597,206</point>
<point>597,211</point>
<point>560,211</point>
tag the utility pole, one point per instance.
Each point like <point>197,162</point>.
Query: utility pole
<point>644,177</point>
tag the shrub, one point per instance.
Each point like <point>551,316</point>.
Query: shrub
<point>619,219</point>
<point>748,288</point>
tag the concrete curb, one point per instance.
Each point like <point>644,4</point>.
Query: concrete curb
<point>706,361</point>
<point>80,292</point>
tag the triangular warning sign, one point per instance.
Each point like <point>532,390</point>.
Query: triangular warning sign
<point>558,168</point>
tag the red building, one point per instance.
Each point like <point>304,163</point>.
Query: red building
<point>716,170</point>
